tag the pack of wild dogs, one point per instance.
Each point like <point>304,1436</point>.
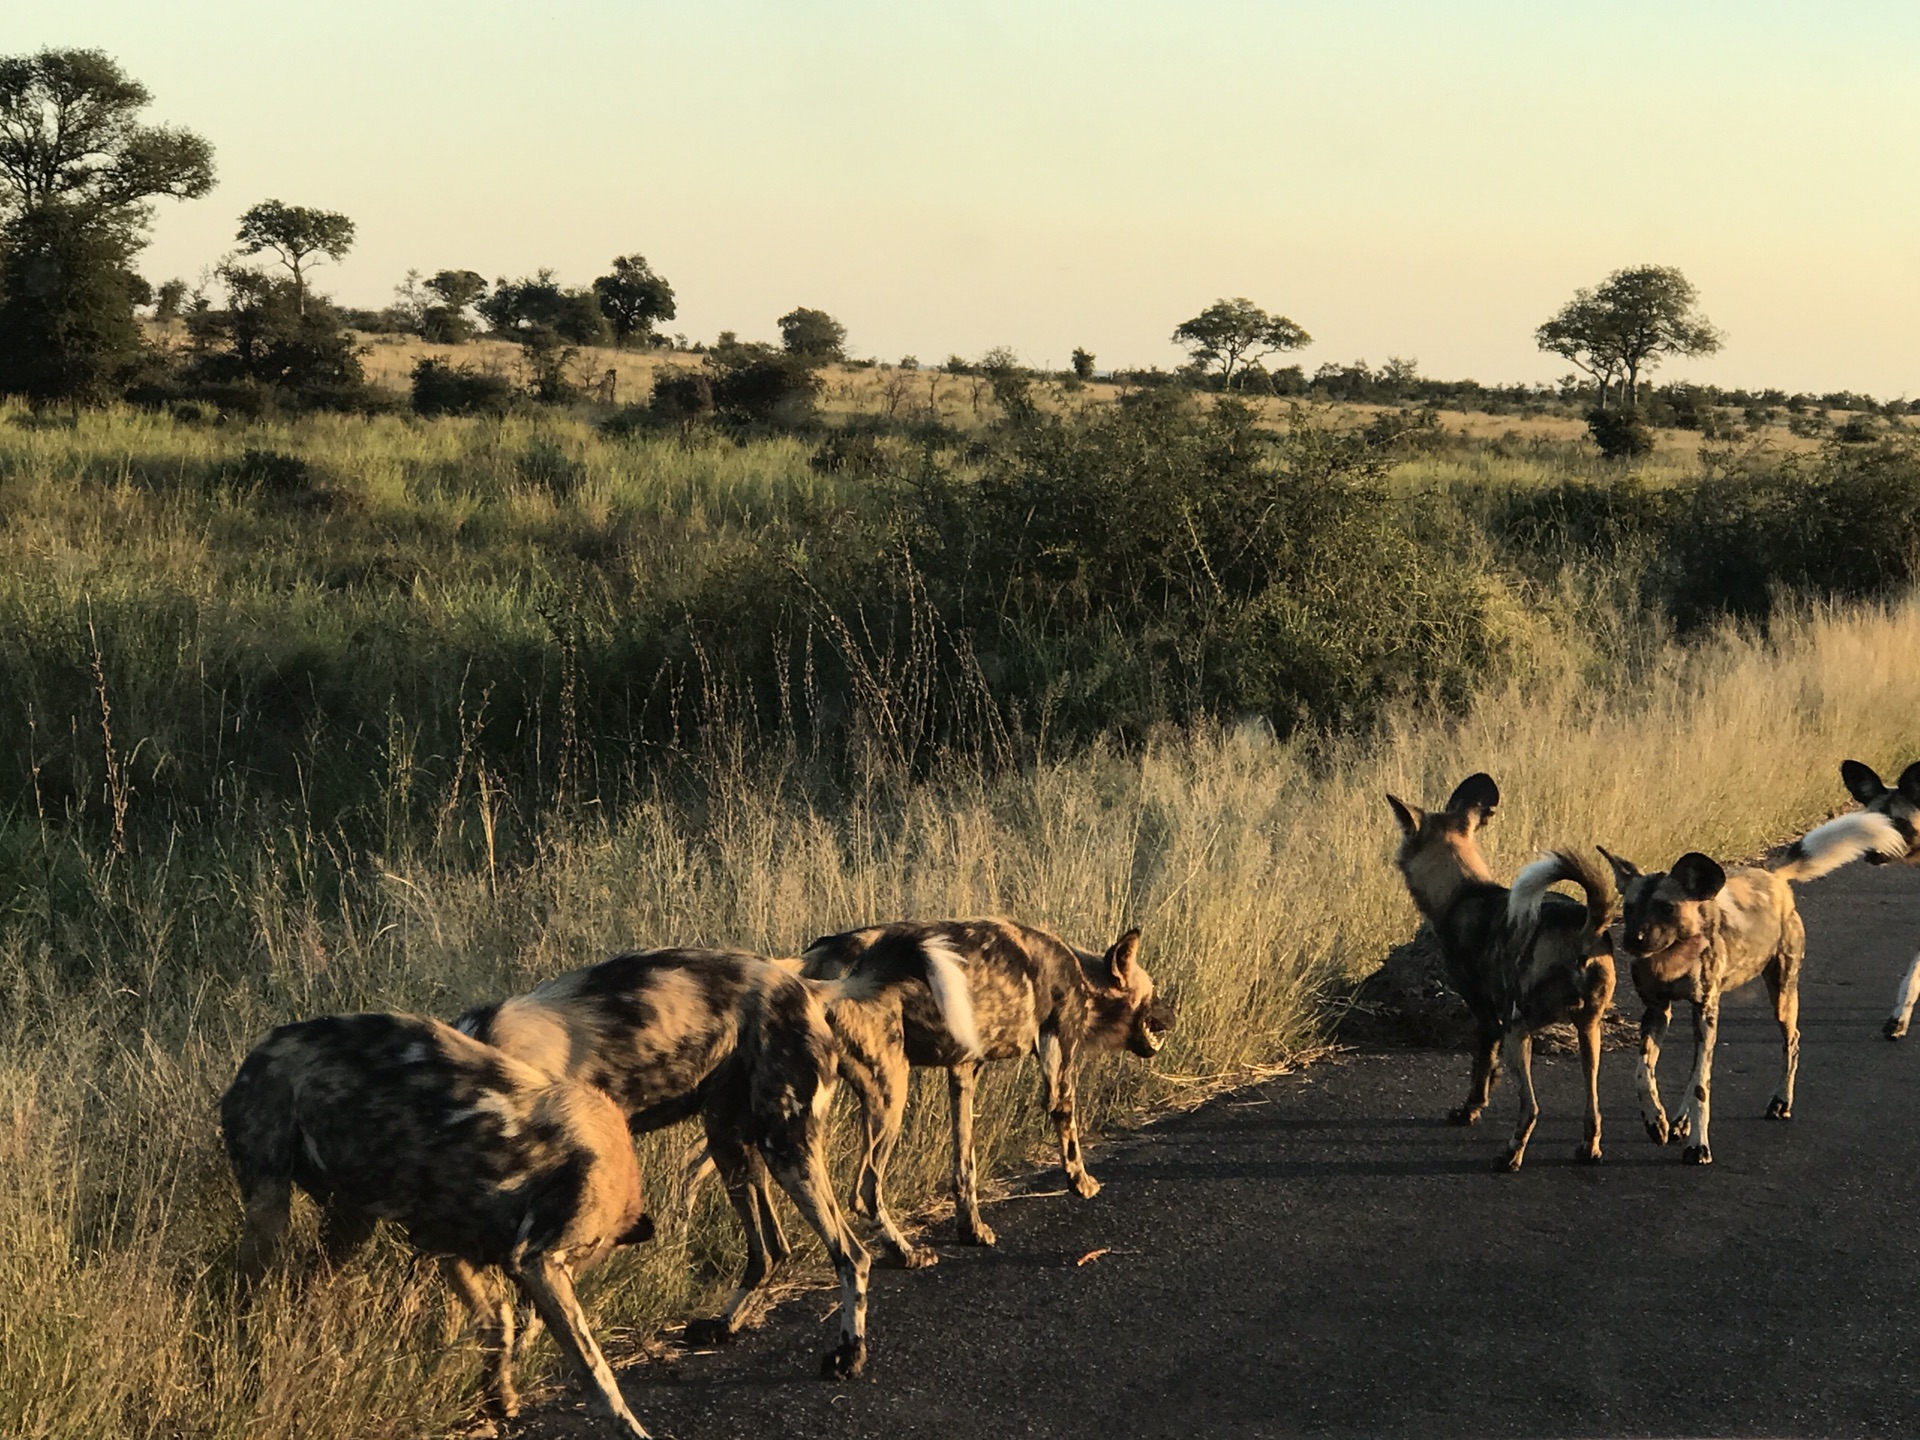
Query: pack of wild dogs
<point>502,1140</point>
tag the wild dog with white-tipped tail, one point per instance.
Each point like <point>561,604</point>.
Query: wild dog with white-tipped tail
<point>484,1161</point>
<point>1900,803</point>
<point>1030,993</point>
<point>1699,931</point>
<point>1520,958</point>
<point>743,1043</point>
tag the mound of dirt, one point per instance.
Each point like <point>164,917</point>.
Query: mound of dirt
<point>1408,1002</point>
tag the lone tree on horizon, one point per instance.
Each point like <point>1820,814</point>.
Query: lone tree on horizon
<point>296,233</point>
<point>78,173</point>
<point>633,298</point>
<point>813,334</point>
<point>1630,322</point>
<point>1234,334</point>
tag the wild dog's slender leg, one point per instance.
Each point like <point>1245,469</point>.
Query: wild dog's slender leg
<point>1653,1030</point>
<point>1903,1000</point>
<point>1486,1052</point>
<point>546,1283</point>
<point>770,1230</point>
<point>736,1164</point>
<point>1590,1024</point>
<point>966,1200</point>
<point>1783,981</point>
<point>493,1318</point>
<point>267,1203</point>
<point>802,1172</point>
<point>1518,1048</point>
<point>1057,1066</point>
<point>1706,1029</point>
<point>883,1107</point>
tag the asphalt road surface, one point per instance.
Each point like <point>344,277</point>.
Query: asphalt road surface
<point>1323,1255</point>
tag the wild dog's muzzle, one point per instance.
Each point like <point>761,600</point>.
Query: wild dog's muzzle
<point>1150,1029</point>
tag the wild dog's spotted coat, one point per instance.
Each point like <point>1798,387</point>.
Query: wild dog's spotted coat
<point>483,1160</point>
<point>1900,803</point>
<point>1520,958</point>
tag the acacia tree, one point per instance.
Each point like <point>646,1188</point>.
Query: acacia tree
<point>456,291</point>
<point>814,334</point>
<point>633,298</point>
<point>297,234</point>
<point>1630,322</point>
<point>1234,334</point>
<point>77,175</point>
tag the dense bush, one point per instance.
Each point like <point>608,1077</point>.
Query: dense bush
<point>440,388</point>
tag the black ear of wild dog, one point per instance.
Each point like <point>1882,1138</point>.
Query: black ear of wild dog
<point>1475,793</point>
<point>1910,783</point>
<point>1698,876</point>
<point>1861,781</point>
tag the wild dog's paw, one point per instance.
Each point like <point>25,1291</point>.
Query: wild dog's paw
<point>1658,1130</point>
<point>1696,1155</point>
<point>1894,1029</point>
<point>1510,1162</point>
<point>1465,1115</point>
<point>1587,1154</point>
<point>1682,1128</point>
<point>977,1232</point>
<point>916,1257</point>
<point>707,1333</point>
<point>1085,1186</point>
<point>1779,1110</point>
<point>844,1361</point>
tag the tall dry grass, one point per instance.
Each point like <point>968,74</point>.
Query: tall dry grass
<point>1258,870</point>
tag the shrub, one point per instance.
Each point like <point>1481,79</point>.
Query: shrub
<point>443,389</point>
<point>1620,434</point>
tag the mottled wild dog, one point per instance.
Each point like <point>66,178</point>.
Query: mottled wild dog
<point>1030,993</point>
<point>744,1044</point>
<point>1900,803</point>
<point>1520,958</point>
<point>1697,931</point>
<point>483,1160</point>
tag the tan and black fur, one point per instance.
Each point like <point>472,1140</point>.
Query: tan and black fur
<point>1699,931</point>
<point>1520,958</point>
<point>483,1160</point>
<point>1030,993</point>
<point>744,1044</point>
<point>1900,803</point>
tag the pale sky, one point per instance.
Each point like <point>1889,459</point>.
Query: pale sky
<point>1428,180</point>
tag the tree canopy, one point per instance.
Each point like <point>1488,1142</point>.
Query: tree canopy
<point>814,334</point>
<point>1630,322</point>
<point>632,298</point>
<point>295,233</point>
<point>1235,333</point>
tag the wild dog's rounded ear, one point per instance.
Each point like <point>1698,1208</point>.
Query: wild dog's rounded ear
<point>1409,816</point>
<point>1698,876</point>
<point>1475,797</point>
<point>1909,786</point>
<point>1861,781</point>
<point>1623,870</point>
<point>1123,958</point>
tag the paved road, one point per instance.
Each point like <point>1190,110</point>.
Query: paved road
<point>1321,1255</point>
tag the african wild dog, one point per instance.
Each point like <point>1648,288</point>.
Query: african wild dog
<point>484,1160</point>
<point>1697,932</point>
<point>1901,805</point>
<point>1520,958</point>
<point>1031,993</point>
<point>744,1044</point>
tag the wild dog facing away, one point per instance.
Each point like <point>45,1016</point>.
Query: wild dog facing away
<point>1029,992</point>
<point>1900,803</point>
<point>744,1044</point>
<point>1520,958</point>
<point>1698,931</point>
<point>484,1161</point>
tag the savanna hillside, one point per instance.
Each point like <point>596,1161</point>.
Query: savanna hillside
<point>336,712</point>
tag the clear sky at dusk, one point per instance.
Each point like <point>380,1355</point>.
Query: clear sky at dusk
<point>1418,179</point>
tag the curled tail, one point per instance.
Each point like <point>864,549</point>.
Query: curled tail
<point>1530,888</point>
<point>1825,848</point>
<point>901,957</point>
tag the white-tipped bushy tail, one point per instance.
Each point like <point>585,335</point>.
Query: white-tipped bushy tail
<point>947,978</point>
<point>1530,888</point>
<point>1825,848</point>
